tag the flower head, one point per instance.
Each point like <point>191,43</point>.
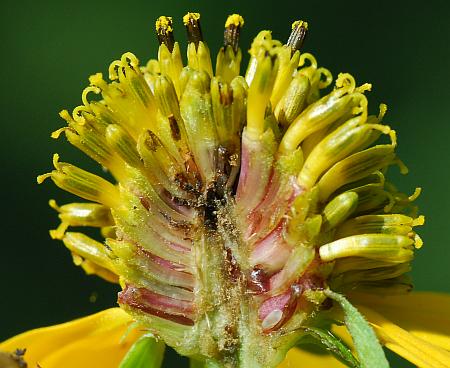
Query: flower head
<point>238,202</point>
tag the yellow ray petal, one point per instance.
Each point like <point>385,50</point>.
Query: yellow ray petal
<point>426,315</point>
<point>301,358</point>
<point>418,351</point>
<point>93,341</point>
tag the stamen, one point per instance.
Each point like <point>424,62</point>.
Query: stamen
<point>164,31</point>
<point>232,31</point>
<point>194,32</point>
<point>297,36</point>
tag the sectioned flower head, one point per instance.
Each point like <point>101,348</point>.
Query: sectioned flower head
<point>243,207</point>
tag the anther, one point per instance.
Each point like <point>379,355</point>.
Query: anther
<point>152,142</point>
<point>192,24</point>
<point>164,31</point>
<point>297,36</point>
<point>232,31</point>
<point>174,128</point>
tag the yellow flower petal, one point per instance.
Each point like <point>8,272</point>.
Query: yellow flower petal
<point>424,314</point>
<point>301,358</point>
<point>93,341</point>
<point>412,348</point>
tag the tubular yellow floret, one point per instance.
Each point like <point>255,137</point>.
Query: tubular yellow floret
<point>317,116</point>
<point>379,224</point>
<point>355,167</point>
<point>81,183</point>
<point>259,93</point>
<point>228,63</point>
<point>80,214</point>
<point>199,57</point>
<point>170,64</point>
<point>383,247</point>
<point>40,179</point>
<point>345,140</point>
<point>293,100</point>
<point>197,52</point>
<point>287,66</point>
<point>339,209</point>
<point>89,249</point>
<point>166,97</point>
<point>262,43</point>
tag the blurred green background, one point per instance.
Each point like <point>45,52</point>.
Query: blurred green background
<point>49,48</point>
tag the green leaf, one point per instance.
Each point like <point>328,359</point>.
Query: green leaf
<point>333,344</point>
<point>146,352</point>
<point>370,352</point>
